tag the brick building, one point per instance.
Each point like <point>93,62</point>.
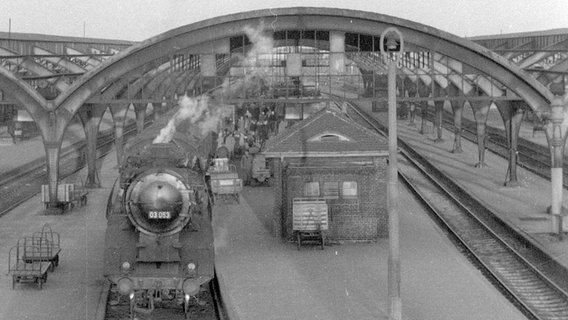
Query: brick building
<point>328,155</point>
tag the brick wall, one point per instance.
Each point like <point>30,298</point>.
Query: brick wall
<point>363,218</point>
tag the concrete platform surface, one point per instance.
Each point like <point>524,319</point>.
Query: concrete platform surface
<point>263,278</point>
<point>73,290</point>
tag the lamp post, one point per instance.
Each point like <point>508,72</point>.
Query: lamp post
<point>396,46</point>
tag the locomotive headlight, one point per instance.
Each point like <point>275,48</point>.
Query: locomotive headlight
<point>191,267</point>
<point>125,266</point>
<point>125,286</point>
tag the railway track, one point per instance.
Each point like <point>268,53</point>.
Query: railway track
<point>21,184</point>
<point>523,273</point>
<point>208,307</point>
<point>531,156</point>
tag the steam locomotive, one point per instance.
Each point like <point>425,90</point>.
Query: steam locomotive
<point>159,239</point>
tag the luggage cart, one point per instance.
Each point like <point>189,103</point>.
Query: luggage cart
<point>260,171</point>
<point>24,270</point>
<point>49,244</point>
<point>310,220</point>
<point>224,180</point>
<point>69,194</point>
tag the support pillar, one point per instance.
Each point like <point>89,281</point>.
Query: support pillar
<point>424,114</point>
<point>52,152</point>
<point>556,133</point>
<point>52,124</point>
<point>516,120</point>
<point>118,116</point>
<point>480,113</point>
<point>439,118</point>
<point>140,111</point>
<point>424,92</point>
<point>337,52</point>
<point>208,65</point>
<point>512,114</point>
<point>457,108</point>
<point>91,117</point>
<point>411,91</point>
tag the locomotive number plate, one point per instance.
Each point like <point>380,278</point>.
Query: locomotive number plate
<point>159,215</point>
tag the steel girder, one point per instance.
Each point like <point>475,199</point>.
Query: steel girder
<point>197,38</point>
<point>195,35</point>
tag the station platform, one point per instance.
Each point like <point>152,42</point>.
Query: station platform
<point>73,291</point>
<point>262,277</point>
<point>523,207</point>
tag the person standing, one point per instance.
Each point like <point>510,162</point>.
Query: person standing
<point>230,144</point>
<point>246,167</point>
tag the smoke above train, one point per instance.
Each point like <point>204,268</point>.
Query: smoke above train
<point>202,113</point>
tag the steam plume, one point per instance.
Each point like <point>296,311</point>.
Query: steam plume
<point>204,119</point>
<point>196,110</point>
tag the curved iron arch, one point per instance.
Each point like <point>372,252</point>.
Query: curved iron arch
<point>198,34</point>
<point>22,92</point>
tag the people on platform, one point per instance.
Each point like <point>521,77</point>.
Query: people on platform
<point>246,168</point>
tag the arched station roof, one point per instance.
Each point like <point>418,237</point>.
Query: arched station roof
<point>204,37</point>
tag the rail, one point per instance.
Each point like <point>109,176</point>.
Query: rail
<point>24,182</point>
<point>535,283</point>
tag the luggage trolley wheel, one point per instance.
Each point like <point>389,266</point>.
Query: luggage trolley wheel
<point>54,263</point>
<point>15,279</point>
<point>41,280</point>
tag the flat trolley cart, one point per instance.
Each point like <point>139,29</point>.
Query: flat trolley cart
<point>69,194</point>
<point>260,170</point>
<point>49,244</point>
<point>24,270</point>
<point>224,180</point>
<point>310,220</point>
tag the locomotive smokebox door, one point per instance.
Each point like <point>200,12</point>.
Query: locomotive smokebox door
<point>161,202</point>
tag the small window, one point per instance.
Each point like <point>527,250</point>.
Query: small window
<point>329,137</point>
<point>331,190</point>
<point>312,189</point>
<point>349,189</point>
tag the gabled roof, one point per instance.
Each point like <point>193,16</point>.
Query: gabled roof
<point>342,136</point>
